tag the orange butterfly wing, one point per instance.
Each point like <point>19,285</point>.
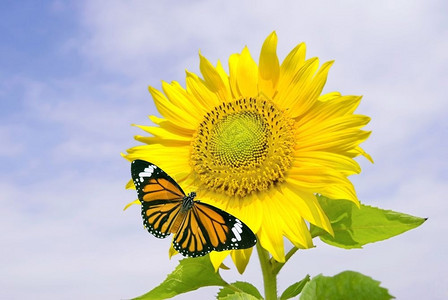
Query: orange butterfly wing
<point>161,198</point>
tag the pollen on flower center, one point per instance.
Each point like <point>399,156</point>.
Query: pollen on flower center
<point>243,147</point>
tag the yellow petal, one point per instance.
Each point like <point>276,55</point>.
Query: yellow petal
<point>241,258</point>
<point>292,64</point>
<point>334,123</point>
<point>308,94</point>
<point>288,70</point>
<point>181,99</point>
<point>172,251</point>
<point>224,78</point>
<point>233,68</point>
<point>307,205</point>
<point>303,234</point>
<point>329,109</point>
<point>247,75</point>
<point>339,141</point>
<point>213,79</point>
<point>217,258</point>
<point>359,151</point>
<point>269,69</point>
<point>314,178</point>
<point>130,185</point>
<point>329,96</point>
<point>158,140</point>
<point>172,112</point>
<point>200,91</point>
<point>306,180</point>
<point>299,234</point>
<point>165,134</point>
<point>132,203</point>
<point>292,96</point>
<point>170,126</point>
<point>270,233</point>
<point>293,227</point>
<point>335,161</point>
<point>345,192</point>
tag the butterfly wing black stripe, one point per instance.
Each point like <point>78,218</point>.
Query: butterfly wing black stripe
<point>191,240</point>
<point>159,217</point>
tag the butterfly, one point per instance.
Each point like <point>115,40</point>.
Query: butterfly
<point>198,227</point>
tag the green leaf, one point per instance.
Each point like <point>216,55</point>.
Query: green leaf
<point>240,289</point>
<point>239,296</point>
<point>354,227</point>
<point>295,289</point>
<point>345,285</point>
<point>189,275</point>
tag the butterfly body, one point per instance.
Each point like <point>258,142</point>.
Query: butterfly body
<point>188,201</point>
<point>198,227</point>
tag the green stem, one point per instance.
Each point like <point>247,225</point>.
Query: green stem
<point>277,266</point>
<point>269,278</point>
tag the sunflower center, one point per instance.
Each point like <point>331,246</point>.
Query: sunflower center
<point>239,139</point>
<point>243,147</point>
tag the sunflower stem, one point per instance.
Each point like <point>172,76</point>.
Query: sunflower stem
<point>269,278</point>
<point>277,266</point>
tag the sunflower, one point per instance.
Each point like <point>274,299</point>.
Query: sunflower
<point>259,143</point>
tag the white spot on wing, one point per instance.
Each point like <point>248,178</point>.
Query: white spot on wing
<point>147,172</point>
<point>236,233</point>
<point>238,227</point>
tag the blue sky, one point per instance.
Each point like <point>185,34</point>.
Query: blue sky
<point>74,76</point>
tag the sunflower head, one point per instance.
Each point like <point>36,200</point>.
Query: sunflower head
<point>242,147</point>
<point>259,141</point>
